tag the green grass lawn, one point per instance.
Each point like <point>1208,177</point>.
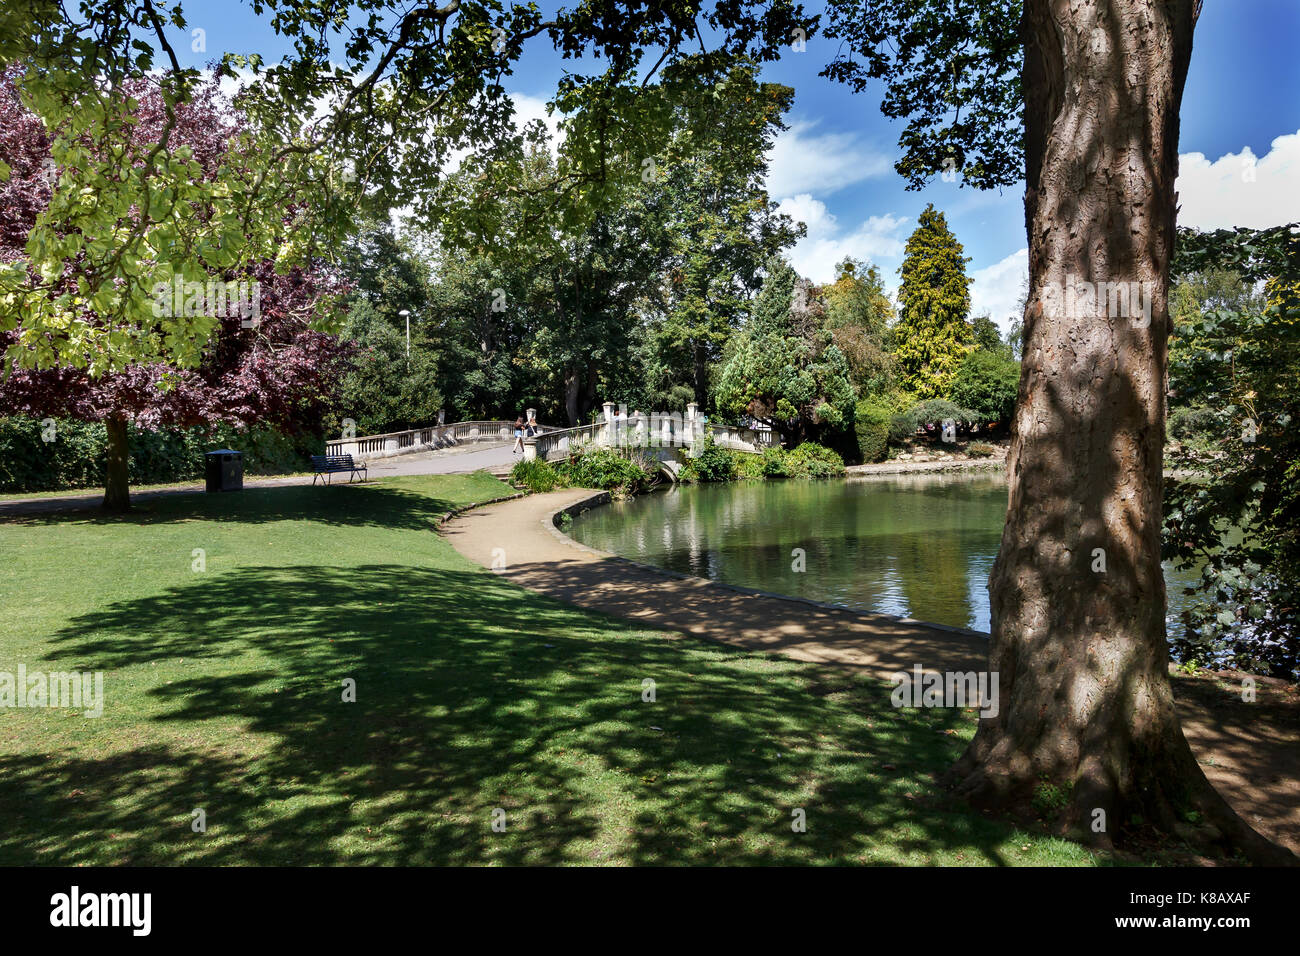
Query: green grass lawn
<point>223,692</point>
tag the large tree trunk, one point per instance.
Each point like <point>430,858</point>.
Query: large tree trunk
<point>700,360</point>
<point>117,492</point>
<point>1086,703</point>
<point>571,397</point>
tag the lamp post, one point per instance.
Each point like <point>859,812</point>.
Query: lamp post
<point>406,314</point>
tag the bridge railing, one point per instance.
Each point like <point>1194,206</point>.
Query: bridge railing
<point>429,438</point>
<point>650,432</point>
<point>659,431</point>
<point>561,442</point>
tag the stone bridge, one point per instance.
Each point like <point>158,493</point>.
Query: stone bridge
<point>658,435</point>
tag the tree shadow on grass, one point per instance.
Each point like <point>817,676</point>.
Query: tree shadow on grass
<point>471,696</point>
<point>342,505</point>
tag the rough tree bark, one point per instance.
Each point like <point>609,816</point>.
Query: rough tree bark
<point>700,361</point>
<point>1086,702</point>
<point>117,492</point>
<point>571,386</point>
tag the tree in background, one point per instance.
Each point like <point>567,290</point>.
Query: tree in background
<point>278,370</point>
<point>986,382</point>
<point>932,336</point>
<point>989,376</point>
<point>715,222</point>
<point>659,262</point>
<point>385,389</point>
<point>986,336</point>
<point>479,323</point>
<point>858,316</point>
<point>783,367</point>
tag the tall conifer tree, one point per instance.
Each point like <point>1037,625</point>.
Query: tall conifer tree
<point>932,336</point>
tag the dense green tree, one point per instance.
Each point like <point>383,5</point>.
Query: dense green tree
<point>986,382</point>
<point>386,390</point>
<point>478,317</point>
<point>710,211</point>
<point>783,368</point>
<point>659,263</point>
<point>858,316</point>
<point>986,335</point>
<point>932,336</point>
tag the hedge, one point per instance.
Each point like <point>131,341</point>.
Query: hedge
<point>871,425</point>
<point>76,452</point>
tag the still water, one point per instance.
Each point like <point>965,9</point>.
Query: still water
<point>918,546</point>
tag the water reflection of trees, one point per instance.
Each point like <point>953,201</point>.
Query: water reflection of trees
<point>910,545</point>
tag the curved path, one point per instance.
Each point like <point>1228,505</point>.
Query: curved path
<point>1251,752</point>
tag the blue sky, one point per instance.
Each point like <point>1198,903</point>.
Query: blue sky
<point>833,169</point>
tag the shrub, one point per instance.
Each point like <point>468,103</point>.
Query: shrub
<point>773,463</point>
<point>872,427</point>
<point>712,463</point>
<point>939,409</point>
<point>811,460</point>
<point>931,413</point>
<point>604,468</point>
<point>987,383</point>
<point>902,427</point>
<point>536,475</point>
<point>749,467</point>
<point>977,450</point>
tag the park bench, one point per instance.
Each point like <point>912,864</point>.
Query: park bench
<point>327,465</point>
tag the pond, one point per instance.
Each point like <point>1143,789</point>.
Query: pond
<point>918,546</point>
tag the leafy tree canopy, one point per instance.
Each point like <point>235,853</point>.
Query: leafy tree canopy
<point>784,368</point>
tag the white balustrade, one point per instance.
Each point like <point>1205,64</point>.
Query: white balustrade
<point>663,431</point>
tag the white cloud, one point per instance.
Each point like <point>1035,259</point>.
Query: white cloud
<point>529,108</point>
<point>802,161</point>
<point>997,289</point>
<point>1237,189</point>
<point>1240,189</point>
<point>827,243</point>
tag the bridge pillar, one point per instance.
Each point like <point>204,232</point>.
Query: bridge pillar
<point>666,431</point>
<point>530,449</point>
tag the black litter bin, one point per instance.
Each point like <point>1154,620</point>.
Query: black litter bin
<point>224,470</point>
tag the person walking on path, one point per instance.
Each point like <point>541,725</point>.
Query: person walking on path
<point>519,435</point>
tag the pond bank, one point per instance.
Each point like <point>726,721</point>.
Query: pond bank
<point>973,465</point>
<point>541,558</point>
